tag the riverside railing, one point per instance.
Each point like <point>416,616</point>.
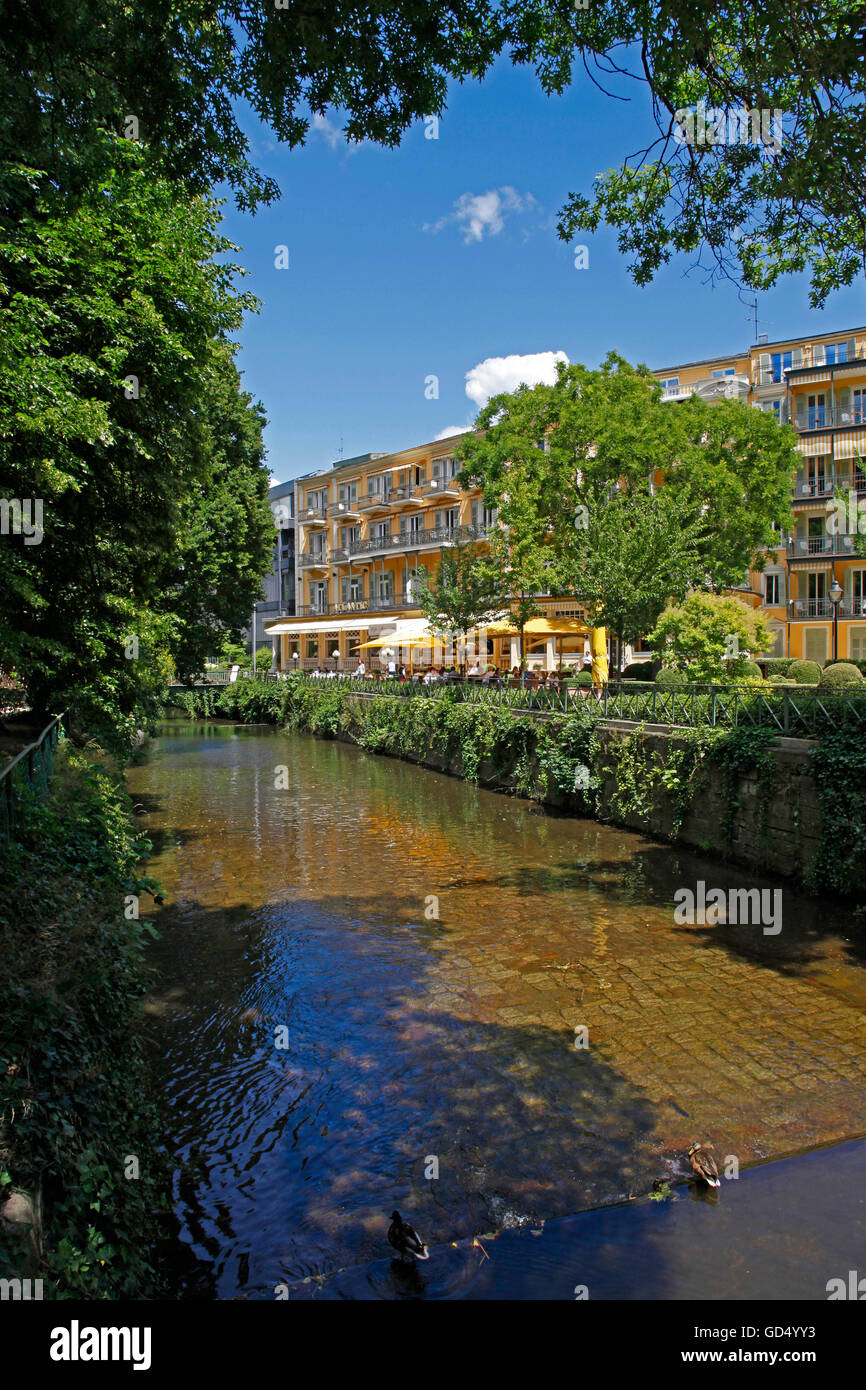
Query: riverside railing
<point>798,713</point>
<point>33,767</point>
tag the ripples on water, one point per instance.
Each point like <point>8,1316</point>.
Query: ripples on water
<point>412,1039</point>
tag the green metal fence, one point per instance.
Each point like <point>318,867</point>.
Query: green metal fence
<point>798,713</point>
<point>31,769</point>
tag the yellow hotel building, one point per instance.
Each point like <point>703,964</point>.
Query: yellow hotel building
<point>367,523</point>
<point>364,526</point>
<point>817,385</point>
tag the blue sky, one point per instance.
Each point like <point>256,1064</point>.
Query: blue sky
<point>429,259</point>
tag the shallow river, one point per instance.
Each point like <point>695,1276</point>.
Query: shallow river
<point>367,988</point>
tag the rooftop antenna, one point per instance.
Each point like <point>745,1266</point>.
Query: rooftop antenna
<point>753,318</point>
<point>340,455</point>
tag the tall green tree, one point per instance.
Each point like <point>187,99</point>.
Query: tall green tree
<point>634,553</point>
<point>116,414</point>
<point>552,458</point>
<point>464,593</point>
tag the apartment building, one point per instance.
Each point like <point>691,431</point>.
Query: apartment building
<point>365,527</point>
<point>280,582</point>
<point>813,589</point>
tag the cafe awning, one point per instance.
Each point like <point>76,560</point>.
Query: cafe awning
<point>540,627</point>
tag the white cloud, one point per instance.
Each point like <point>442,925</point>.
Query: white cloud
<point>453,429</point>
<point>496,374</point>
<point>480,215</point>
<point>335,137</point>
<point>322,125</point>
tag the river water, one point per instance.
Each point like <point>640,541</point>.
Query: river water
<point>380,987</point>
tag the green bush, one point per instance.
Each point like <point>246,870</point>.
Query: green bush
<point>669,675</point>
<point>583,678</point>
<point>752,671</point>
<point>842,674</point>
<point>804,672</point>
<point>638,671</point>
<point>76,1091</point>
<point>778,665</point>
<point>848,661</point>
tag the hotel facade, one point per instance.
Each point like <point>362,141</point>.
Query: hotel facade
<point>816,384</point>
<point>366,525</point>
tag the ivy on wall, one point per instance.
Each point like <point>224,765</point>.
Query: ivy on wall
<point>563,759</point>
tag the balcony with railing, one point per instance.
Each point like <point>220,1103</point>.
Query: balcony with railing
<point>346,507</point>
<point>410,540</point>
<point>314,516</point>
<point>381,500</point>
<point>314,559</point>
<point>801,609</point>
<point>814,547</point>
<point>809,486</point>
<point>441,487</point>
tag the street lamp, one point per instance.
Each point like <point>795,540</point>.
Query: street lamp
<point>835,595</point>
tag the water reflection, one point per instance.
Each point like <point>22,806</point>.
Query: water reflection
<point>306,908</point>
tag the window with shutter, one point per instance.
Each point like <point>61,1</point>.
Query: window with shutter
<point>819,355</point>
<point>852,349</point>
<point>797,357</point>
<point>765,367</point>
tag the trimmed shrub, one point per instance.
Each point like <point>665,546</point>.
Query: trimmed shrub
<point>583,678</point>
<point>638,671</point>
<point>842,674</point>
<point>777,665</point>
<point>751,671</point>
<point>669,675</point>
<point>847,661</point>
<point>804,672</point>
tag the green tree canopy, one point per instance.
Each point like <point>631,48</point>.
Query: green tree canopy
<point>120,412</point>
<point>181,68</point>
<point>464,593</point>
<point>551,457</point>
<point>712,635</point>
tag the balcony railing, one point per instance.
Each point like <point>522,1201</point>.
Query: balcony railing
<point>313,559</point>
<point>831,417</point>
<point>808,547</point>
<point>808,486</point>
<point>800,609</point>
<point>346,507</point>
<point>313,515</point>
<point>411,540</point>
<point>383,498</point>
<point>437,487</point>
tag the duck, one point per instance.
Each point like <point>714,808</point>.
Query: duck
<point>405,1239</point>
<point>703,1164</point>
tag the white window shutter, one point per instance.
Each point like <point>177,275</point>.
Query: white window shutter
<point>766,368</point>
<point>819,355</point>
<point>801,412</point>
<point>797,358</point>
<point>437,467</point>
<point>852,349</point>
